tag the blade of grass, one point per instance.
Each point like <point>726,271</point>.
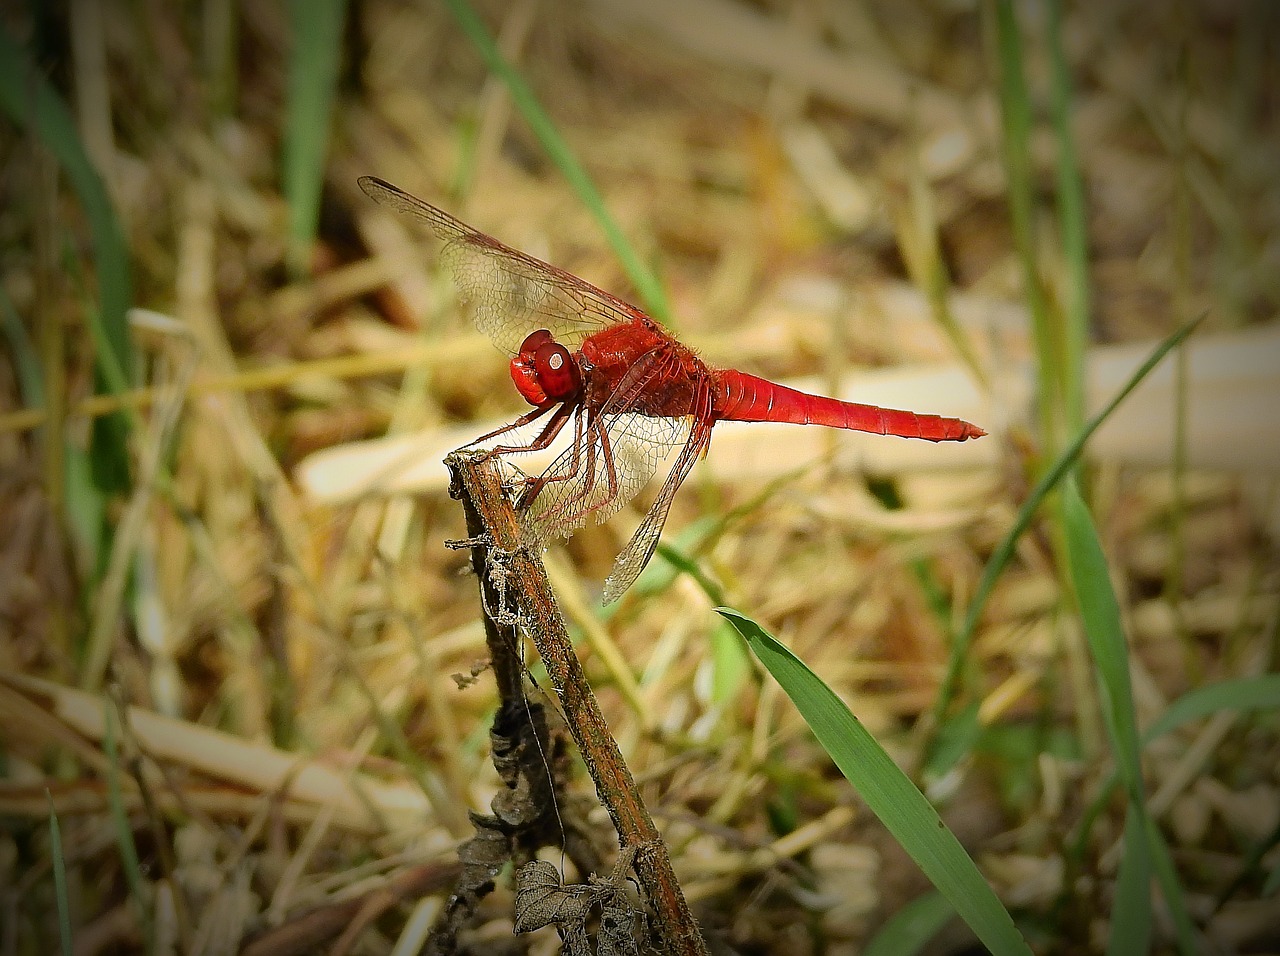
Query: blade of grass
<point>1131,907</point>
<point>1072,225</point>
<point>123,831</point>
<point>1004,551</point>
<point>731,665</point>
<point>219,26</point>
<point>32,103</point>
<point>1060,325</point>
<point>313,77</point>
<point>59,880</point>
<point>952,740</point>
<point>890,794</point>
<point>1104,631</point>
<point>1100,614</point>
<point>86,511</point>
<point>1015,113</point>
<point>1245,694</point>
<point>30,377</point>
<point>677,561</point>
<point>1181,228</point>
<point>1073,308</point>
<point>909,929</point>
<point>1166,873</point>
<point>647,285</point>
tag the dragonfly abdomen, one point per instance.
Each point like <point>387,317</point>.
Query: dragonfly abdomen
<point>741,397</point>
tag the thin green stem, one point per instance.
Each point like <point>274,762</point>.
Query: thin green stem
<point>1072,222</point>
<point>1016,123</point>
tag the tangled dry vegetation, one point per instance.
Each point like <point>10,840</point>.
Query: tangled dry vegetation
<point>304,669</point>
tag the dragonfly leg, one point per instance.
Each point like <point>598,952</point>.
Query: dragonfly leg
<point>566,507</point>
<point>535,485</point>
<point>582,498</point>
<point>524,419</point>
<point>611,471</point>
<point>545,437</point>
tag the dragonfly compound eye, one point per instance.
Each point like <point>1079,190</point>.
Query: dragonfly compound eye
<point>557,371</point>
<point>535,340</point>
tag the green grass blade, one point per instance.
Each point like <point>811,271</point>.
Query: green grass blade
<point>1073,227</point>
<point>1100,613</point>
<point>730,664</point>
<point>1131,918</point>
<point>313,76</point>
<point>25,359</point>
<point>1166,873</point>
<point>33,104</point>
<point>1015,113</point>
<point>1004,551</point>
<point>86,510</point>
<point>909,929</point>
<point>120,823</point>
<point>646,283</point>
<point>952,740</point>
<point>221,25</point>
<point>59,880</point>
<point>892,797</point>
<point>1246,693</point>
<point>920,245</point>
<point>1104,631</point>
<point>678,560</point>
<point>681,556</point>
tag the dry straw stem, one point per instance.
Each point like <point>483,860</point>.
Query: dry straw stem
<point>527,589</point>
<point>316,927</point>
<point>40,710</point>
<point>432,355</point>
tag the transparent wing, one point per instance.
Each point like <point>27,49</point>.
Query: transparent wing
<point>637,552</point>
<point>510,294</point>
<point>632,559</point>
<point>598,475</point>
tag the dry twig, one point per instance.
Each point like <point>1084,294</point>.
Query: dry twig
<point>492,523</point>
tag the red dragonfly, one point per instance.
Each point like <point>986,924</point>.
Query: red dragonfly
<point>634,395</point>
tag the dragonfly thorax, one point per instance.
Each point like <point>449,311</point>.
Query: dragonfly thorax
<point>544,371</point>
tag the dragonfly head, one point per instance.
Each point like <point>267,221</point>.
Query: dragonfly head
<point>544,371</point>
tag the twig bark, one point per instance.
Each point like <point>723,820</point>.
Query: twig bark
<point>528,761</point>
<point>522,586</point>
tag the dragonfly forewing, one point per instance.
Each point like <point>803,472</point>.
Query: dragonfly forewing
<point>509,293</point>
